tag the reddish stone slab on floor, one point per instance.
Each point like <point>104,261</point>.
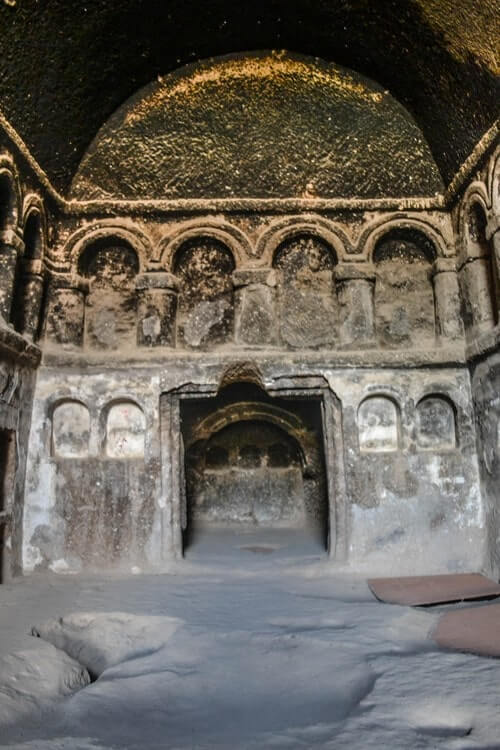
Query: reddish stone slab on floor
<point>475,629</point>
<point>440,589</point>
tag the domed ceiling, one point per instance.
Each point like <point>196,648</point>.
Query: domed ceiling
<point>265,125</point>
<point>66,67</point>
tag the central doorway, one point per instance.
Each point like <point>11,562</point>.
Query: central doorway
<point>255,474</point>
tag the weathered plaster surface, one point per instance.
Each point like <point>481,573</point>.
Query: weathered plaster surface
<point>355,326</point>
<point>408,507</point>
<point>486,395</point>
<point>16,394</point>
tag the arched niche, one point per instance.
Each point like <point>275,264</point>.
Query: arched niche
<point>125,430</point>
<point>249,472</point>
<point>8,202</point>
<point>70,430</point>
<point>9,261</point>
<point>308,307</point>
<point>378,425</point>
<point>436,423</point>
<point>480,271</point>
<point>29,282</point>
<point>111,266</point>
<point>404,295</point>
<point>33,236</point>
<point>205,317</point>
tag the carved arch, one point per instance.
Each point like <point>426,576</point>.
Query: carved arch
<point>379,430</point>
<point>476,193</point>
<point>33,206</point>
<point>70,438</point>
<point>124,435</point>
<point>287,229</point>
<point>232,237</point>
<point>371,236</point>
<point>436,421</point>
<point>493,182</point>
<point>107,230</point>
<point>254,411</point>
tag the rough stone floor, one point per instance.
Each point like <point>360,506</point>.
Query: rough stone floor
<point>251,642</point>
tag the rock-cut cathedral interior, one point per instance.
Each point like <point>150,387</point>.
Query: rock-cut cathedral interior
<point>249,277</point>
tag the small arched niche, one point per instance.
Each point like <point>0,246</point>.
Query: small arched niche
<point>204,266</point>
<point>70,430</point>
<point>378,425</point>
<point>404,294</point>
<point>125,430</point>
<point>436,423</point>
<point>308,306</point>
<point>480,275</point>
<point>111,265</point>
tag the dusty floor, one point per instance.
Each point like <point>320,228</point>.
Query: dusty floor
<point>270,649</point>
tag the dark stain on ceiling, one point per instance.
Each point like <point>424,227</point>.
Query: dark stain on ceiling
<point>66,67</point>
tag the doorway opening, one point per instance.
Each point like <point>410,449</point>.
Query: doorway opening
<point>255,476</point>
<point>7,484</point>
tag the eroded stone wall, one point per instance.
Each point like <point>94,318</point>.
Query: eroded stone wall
<point>405,473</point>
<point>486,394</point>
<point>376,311</point>
<point>23,242</point>
<point>477,222</point>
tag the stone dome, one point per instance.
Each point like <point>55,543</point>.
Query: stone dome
<point>261,125</point>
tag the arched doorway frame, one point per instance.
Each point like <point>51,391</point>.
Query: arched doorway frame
<point>173,486</point>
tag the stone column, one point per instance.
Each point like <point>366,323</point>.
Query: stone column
<point>156,308</point>
<point>256,319</point>
<point>476,274</point>
<point>65,311</point>
<point>495,250</point>
<point>493,235</point>
<point>28,318</point>
<point>355,283</point>
<point>10,248</point>
<point>447,300</point>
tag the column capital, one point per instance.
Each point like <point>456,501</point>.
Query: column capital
<point>13,239</point>
<point>157,280</point>
<point>248,276</point>
<point>444,265</point>
<point>69,281</point>
<point>492,227</point>
<point>33,267</point>
<point>350,271</point>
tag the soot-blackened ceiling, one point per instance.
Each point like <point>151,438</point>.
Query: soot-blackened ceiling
<point>65,67</point>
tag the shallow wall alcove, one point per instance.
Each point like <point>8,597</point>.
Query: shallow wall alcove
<point>307,301</point>
<point>404,295</point>
<point>111,266</point>
<point>103,497</point>
<point>480,282</point>
<point>205,313</point>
